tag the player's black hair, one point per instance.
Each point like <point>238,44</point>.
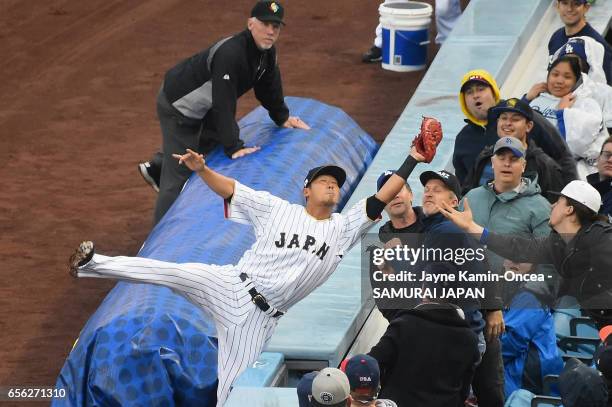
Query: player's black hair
<point>573,62</point>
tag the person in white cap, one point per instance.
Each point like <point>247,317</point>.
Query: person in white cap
<point>331,388</point>
<point>580,246</point>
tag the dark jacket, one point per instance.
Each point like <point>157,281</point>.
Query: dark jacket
<point>605,190</point>
<point>388,231</point>
<point>440,233</point>
<point>473,138</point>
<point>207,85</point>
<point>470,141</point>
<point>427,357</point>
<point>559,38</point>
<point>539,164</point>
<point>584,263</point>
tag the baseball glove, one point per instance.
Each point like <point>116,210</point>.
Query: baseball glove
<point>428,138</point>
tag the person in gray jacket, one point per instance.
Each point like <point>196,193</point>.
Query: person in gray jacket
<point>196,104</point>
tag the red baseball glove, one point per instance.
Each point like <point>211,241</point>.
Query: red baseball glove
<point>428,138</point>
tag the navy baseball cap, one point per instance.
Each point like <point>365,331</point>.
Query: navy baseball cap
<point>338,173</point>
<point>510,143</point>
<point>304,389</point>
<point>446,177</point>
<point>382,179</point>
<point>271,11</point>
<point>363,374</point>
<point>513,105</point>
<point>573,46</point>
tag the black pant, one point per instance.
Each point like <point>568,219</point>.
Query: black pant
<point>488,381</point>
<point>178,133</point>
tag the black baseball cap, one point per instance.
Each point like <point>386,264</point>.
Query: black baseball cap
<point>581,385</point>
<point>514,105</point>
<point>333,170</point>
<point>271,11</point>
<point>446,177</point>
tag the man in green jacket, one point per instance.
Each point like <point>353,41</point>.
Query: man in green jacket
<point>512,204</point>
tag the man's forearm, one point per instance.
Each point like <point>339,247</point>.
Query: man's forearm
<point>220,184</point>
<point>395,183</point>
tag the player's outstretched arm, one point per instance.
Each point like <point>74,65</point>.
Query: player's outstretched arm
<point>395,183</point>
<point>220,184</point>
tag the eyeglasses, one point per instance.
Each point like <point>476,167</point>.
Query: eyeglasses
<point>605,155</point>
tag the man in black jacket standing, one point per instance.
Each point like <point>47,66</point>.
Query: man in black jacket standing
<point>196,104</point>
<point>427,357</point>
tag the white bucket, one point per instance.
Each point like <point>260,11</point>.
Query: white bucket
<point>405,31</point>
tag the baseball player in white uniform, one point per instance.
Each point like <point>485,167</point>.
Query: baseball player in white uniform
<point>297,248</point>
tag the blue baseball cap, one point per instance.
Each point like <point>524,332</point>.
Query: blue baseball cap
<point>512,144</point>
<point>574,46</point>
<point>383,178</point>
<point>304,389</point>
<point>363,374</point>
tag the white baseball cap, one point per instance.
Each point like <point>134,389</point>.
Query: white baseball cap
<point>582,192</point>
<point>330,387</point>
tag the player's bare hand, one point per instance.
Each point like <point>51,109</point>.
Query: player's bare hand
<point>567,101</point>
<point>495,325</point>
<point>192,160</point>
<point>245,151</point>
<point>416,155</point>
<point>294,122</point>
<point>536,90</point>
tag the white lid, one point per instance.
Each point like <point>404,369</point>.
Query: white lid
<point>406,8</point>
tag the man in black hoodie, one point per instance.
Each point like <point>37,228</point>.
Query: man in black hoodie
<point>427,357</point>
<point>196,104</point>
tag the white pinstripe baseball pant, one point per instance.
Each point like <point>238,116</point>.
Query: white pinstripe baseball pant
<point>242,328</point>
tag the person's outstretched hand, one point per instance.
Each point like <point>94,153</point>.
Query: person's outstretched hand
<point>194,161</point>
<point>463,220</point>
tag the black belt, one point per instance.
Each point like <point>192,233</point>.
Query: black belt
<point>261,301</point>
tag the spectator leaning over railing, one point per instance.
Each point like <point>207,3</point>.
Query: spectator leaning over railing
<point>406,227</point>
<point>580,247</point>
<point>565,100</point>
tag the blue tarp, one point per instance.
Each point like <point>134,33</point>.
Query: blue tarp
<point>146,345</point>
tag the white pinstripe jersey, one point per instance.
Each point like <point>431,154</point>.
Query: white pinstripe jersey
<point>294,253</point>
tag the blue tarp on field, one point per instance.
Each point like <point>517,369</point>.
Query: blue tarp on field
<point>147,345</point>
